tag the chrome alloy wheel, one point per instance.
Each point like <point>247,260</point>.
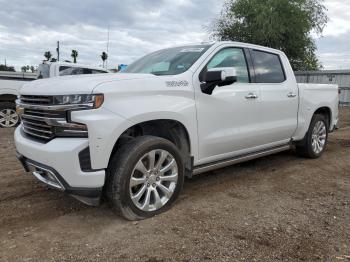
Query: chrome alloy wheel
<point>153,180</point>
<point>319,136</point>
<point>8,118</point>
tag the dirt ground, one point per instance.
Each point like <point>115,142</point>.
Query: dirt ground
<point>279,208</point>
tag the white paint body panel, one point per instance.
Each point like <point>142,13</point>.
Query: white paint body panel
<point>61,155</point>
<point>13,86</point>
<point>219,126</point>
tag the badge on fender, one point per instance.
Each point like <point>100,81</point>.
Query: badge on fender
<point>176,83</point>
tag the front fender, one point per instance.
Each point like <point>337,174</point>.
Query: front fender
<point>105,127</point>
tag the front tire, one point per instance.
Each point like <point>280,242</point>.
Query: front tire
<point>315,140</point>
<point>8,116</point>
<point>144,177</point>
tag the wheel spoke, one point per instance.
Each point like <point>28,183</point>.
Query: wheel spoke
<point>137,181</point>
<point>170,178</point>
<point>161,159</point>
<point>141,167</point>
<point>158,202</point>
<point>322,130</point>
<point>165,190</point>
<point>322,136</point>
<point>145,204</point>
<point>168,166</point>
<point>314,147</point>
<point>139,194</point>
<point>152,158</point>
<point>319,147</point>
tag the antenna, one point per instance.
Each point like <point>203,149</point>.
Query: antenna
<point>107,46</point>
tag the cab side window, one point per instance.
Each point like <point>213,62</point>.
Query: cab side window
<point>268,67</point>
<point>67,71</point>
<point>231,57</point>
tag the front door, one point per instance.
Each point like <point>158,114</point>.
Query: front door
<point>229,118</point>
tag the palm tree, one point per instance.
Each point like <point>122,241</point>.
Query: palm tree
<point>48,55</point>
<point>104,57</point>
<point>74,55</point>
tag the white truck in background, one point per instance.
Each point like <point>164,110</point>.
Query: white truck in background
<point>12,82</point>
<point>174,113</point>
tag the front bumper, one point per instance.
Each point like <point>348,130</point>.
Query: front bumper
<point>57,164</point>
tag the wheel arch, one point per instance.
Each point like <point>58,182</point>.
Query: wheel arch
<point>7,97</point>
<point>170,129</point>
<point>325,111</point>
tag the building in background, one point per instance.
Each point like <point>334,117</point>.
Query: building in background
<point>339,77</point>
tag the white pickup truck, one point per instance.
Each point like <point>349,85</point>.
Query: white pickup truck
<point>12,82</point>
<point>174,113</point>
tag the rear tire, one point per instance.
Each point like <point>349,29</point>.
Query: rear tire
<point>315,140</point>
<point>8,116</point>
<point>144,177</point>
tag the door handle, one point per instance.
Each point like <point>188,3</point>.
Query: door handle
<point>291,94</point>
<point>251,96</point>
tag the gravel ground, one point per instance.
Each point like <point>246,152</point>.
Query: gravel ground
<point>279,208</point>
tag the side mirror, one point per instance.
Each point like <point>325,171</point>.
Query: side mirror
<point>218,77</point>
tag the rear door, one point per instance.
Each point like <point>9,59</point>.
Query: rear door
<point>279,96</point>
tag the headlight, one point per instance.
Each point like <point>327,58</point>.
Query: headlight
<point>91,101</point>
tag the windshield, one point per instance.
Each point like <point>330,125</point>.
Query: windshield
<point>43,71</point>
<point>172,61</point>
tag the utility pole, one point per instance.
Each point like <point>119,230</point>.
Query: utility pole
<point>107,46</point>
<point>58,51</point>
<point>5,62</point>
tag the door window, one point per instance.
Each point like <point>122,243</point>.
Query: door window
<point>231,57</point>
<point>268,67</point>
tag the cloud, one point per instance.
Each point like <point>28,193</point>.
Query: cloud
<point>28,29</point>
<point>333,47</point>
<point>137,27</point>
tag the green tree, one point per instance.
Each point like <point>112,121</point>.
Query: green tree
<point>7,68</point>
<point>47,55</point>
<point>24,69</point>
<point>104,57</point>
<point>281,24</point>
<point>32,69</point>
<point>74,55</point>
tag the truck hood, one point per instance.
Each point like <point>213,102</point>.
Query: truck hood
<point>82,84</point>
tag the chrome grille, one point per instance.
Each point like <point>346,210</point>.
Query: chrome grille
<point>36,126</point>
<point>37,100</point>
<point>44,121</point>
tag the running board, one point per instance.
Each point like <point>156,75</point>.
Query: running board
<point>239,159</point>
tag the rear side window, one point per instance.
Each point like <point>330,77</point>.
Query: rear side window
<point>66,70</point>
<point>268,67</point>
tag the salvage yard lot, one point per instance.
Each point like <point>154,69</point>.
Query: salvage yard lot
<point>279,208</point>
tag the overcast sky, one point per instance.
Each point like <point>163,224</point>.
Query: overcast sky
<point>29,28</point>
